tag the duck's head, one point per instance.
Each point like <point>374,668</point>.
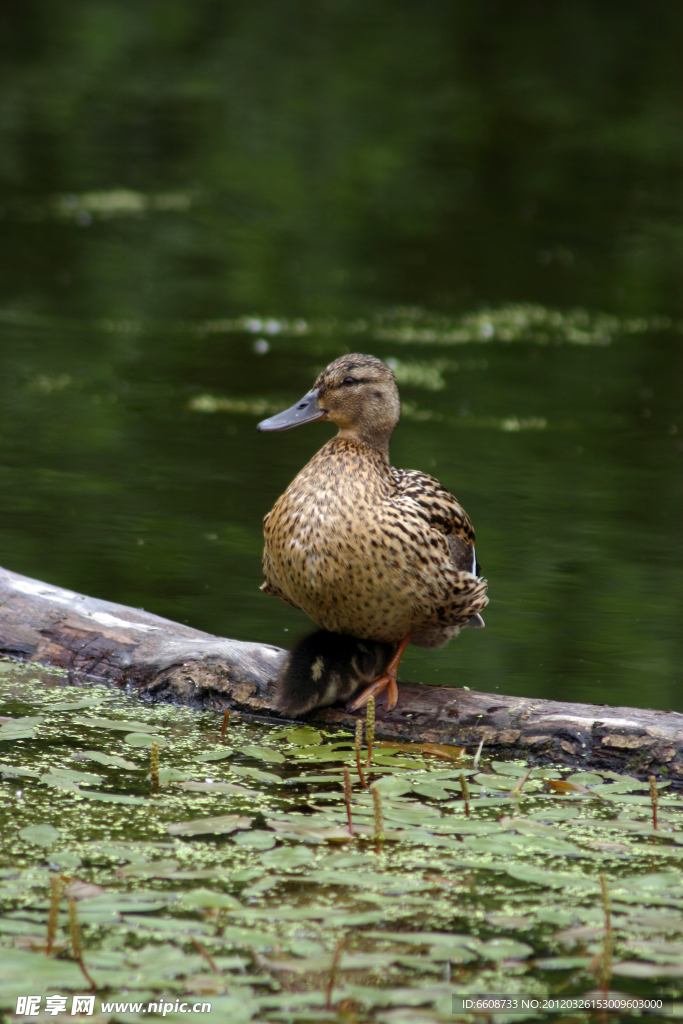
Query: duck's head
<point>356,392</point>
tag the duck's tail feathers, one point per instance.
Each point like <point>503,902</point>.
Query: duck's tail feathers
<point>325,667</point>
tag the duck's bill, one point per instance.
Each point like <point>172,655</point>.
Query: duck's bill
<point>306,410</point>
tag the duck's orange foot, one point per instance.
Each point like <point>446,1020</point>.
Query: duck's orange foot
<point>385,685</point>
<point>387,681</point>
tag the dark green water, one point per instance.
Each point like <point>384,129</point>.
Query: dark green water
<point>182,182</point>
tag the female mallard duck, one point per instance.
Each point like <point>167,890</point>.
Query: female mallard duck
<point>376,553</point>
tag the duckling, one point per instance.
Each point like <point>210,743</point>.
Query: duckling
<point>366,550</point>
<point>326,667</point>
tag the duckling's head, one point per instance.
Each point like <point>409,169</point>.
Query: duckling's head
<point>357,392</point>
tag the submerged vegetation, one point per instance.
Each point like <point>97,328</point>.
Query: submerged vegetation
<point>255,871</point>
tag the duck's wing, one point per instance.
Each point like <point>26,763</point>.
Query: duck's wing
<point>443,512</point>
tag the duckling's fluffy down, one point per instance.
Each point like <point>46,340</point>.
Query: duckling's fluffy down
<point>326,667</point>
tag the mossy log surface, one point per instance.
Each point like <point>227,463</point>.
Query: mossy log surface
<point>157,659</point>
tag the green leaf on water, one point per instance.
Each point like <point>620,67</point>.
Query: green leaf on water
<point>215,755</point>
<point>393,785</point>
<point>74,776</point>
<point>66,860</point>
<point>304,737</point>
<point>504,949</point>
<point>112,798</point>
<point>263,753</point>
<point>388,760</point>
<point>166,926</point>
<point>430,791</point>
<point>639,969</point>
<point>201,898</point>
<point>9,926</point>
<point>315,831</point>
<point>20,728</point>
<point>209,826</point>
<point>143,739</point>
<point>563,963</point>
<point>40,835</point>
<point>45,972</point>
<point>167,775</point>
<point>11,770</point>
<point>284,857</point>
<point>552,879</point>
<point>507,782</point>
<point>120,903</point>
<point>255,839</point>
<point>112,760</point>
<point>77,705</point>
<point>216,787</point>
<point>519,770</point>
<point>48,779</point>
<point>157,869</point>
<point>116,724</point>
<point>255,773</point>
<point>326,752</point>
<point>584,778</point>
<point>262,885</point>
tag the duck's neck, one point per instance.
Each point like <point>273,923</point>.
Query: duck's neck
<point>377,440</point>
<point>351,451</point>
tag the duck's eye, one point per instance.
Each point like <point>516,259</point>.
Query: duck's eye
<point>349,380</point>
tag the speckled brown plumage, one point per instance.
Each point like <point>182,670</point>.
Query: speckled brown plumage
<point>363,548</point>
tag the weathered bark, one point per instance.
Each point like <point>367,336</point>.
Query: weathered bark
<point>162,660</point>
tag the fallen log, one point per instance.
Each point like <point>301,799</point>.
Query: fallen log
<point>157,659</point>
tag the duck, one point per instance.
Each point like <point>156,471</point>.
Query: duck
<point>377,557</point>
